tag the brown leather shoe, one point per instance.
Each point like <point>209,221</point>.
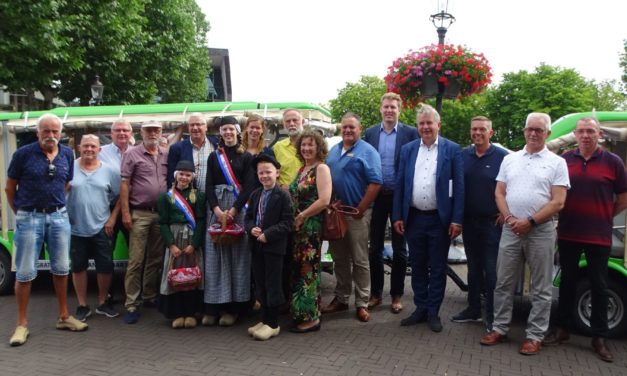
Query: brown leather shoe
<point>493,338</point>
<point>556,337</point>
<point>530,347</point>
<point>334,306</point>
<point>397,305</point>
<point>598,344</point>
<point>362,314</point>
<point>374,301</point>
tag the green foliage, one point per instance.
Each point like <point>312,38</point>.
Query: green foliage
<point>623,64</point>
<point>364,99</point>
<point>140,49</point>
<point>554,90</point>
<point>608,97</point>
<point>456,115</point>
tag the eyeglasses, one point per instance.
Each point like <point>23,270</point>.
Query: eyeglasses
<point>535,130</point>
<point>52,170</point>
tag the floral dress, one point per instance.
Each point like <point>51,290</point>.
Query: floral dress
<point>305,302</point>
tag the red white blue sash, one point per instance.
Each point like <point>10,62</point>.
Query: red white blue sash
<point>181,203</point>
<point>229,175</point>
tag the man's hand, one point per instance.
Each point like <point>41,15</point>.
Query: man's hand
<point>262,238</point>
<point>127,221</point>
<point>519,226</point>
<point>454,230</point>
<point>108,227</point>
<point>399,227</point>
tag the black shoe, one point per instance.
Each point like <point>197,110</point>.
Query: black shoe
<point>82,313</point>
<point>467,315</point>
<point>296,329</point>
<point>150,303</point>
<point>414,318</point>
<point>107,310</point>
<point>435,324</point>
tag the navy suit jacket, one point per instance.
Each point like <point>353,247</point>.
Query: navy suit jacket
<point>179,151</point>
<point>449,186</point>
<point>404,134</point>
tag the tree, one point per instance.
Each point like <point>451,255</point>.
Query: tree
<point>364,99</point>
<point>608,97</point>
<point>456,116</point>
<point>623,64</point>
<point>139,48</point>
<point>554,90</point>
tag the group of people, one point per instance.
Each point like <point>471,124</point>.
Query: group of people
<point>424,184</point>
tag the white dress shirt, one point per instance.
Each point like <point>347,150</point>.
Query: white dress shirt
<point>423,193</point>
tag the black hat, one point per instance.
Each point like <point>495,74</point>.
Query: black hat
<point>263,157</point>
<point>185,165</point>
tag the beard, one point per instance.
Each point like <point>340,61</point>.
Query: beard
<point>293,132</point>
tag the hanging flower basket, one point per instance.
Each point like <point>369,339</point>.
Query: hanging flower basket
<point>458,70</point>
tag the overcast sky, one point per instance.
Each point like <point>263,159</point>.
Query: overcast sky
<point>291,50</point>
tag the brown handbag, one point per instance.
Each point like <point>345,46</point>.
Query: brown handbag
<point>334,225</point>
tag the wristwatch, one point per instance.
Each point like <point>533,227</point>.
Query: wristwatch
<point>531,221</point>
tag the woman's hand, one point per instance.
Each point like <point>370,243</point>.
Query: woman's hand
<point>189,250</point>
<point>298,221</point>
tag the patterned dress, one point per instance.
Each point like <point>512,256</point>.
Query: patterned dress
<point>305,302</point>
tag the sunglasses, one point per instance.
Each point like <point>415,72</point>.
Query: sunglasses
<point>52,170</point>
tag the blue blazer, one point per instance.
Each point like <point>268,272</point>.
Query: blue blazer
<point>449,186</point>
<point>404,134</point>
<point>182,150</point>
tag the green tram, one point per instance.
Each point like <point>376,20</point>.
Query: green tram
<point>18,129</point>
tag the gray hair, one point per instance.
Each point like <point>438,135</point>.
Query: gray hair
<point>546,119</point>
<point>197,115</point>
<point>425,109</point>
<point>121,121</point>
<point>351,115</point>
<point>49,116</point>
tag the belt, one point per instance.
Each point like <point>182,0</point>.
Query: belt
<point>49,209</point>
<point>146,208</point>
<point>423,212</point>
<point>386,192</point>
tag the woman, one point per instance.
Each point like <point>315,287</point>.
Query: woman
<point>230,180</point>
<point>182,221</point>
<point>253,140</point>
<point>311,192</point>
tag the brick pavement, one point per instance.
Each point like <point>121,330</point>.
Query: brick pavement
<point>344,346</point>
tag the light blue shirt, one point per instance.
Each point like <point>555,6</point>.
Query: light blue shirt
<point>89,198</point>
<point>112,155</point>
<point>387,146</point>
<point>353,171</point>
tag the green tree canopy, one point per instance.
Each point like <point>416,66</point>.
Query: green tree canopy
<point>623,64</point>
<point>139,48</point>
<point>554,90</point>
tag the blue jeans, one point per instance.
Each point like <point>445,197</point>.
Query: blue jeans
<point>481,244</point>
<point>428,241</point>
<point>32,229</point>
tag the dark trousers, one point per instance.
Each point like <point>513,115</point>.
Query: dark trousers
<point>288,260</point>
<point>381,211</point>
<point>481,244</point>
<point>428,241</point>
<point>597,257</point>
<point>267,271</point>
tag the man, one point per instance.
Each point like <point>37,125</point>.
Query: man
<point>121,133</point>
<point>286,154</point>
<point>196,149</point>
<point>38,175</point>
<point>285,150</point>
<point>530,190</point>
<point>144,170</point>
<point>482,222</point>
<point>428,210</point>
<point>597,195</point>
<point>388,138</point>
<point>94,187</point>
<point>356,173</point>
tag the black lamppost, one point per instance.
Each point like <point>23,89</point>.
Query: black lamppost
<point>97,89</point>
<point>442,21</point>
